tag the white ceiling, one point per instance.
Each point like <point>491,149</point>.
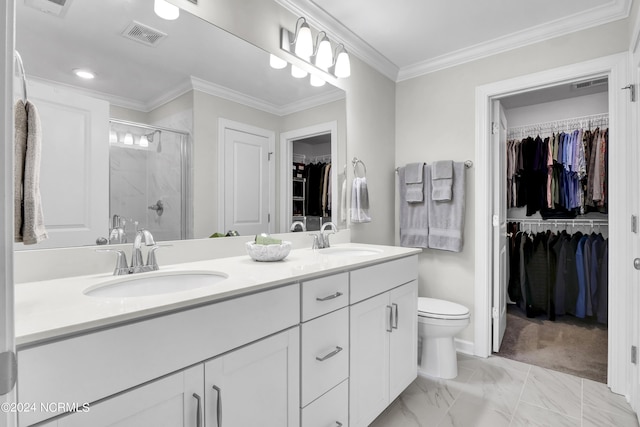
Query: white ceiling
<point>406,38</point>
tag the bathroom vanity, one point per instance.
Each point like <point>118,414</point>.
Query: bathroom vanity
<point>325,337</point>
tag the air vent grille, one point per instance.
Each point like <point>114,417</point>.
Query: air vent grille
<point>143,34</point>
<point>590,83</point>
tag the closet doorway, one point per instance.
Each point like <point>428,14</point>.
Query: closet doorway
<point>309,190</point>
<point>556,200</point>
<point>614,68</point>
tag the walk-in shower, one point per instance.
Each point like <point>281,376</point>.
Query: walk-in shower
<point>149,180</point>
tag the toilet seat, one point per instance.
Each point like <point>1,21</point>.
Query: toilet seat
<point>441,309</point>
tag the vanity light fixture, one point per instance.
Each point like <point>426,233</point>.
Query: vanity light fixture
<point>84,74</point>
<point>166,10</point>
<point>320,56</point>
<point>316,81</point>
<point>342,66</point>
<point>144,141</point>
<point>113,137</point>
<point>128,139</point>
<point>277,62</point>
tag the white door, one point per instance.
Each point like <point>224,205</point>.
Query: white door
<point>176,400</point>
<point>369,364</point>
<point>403,348</point>
<point>247,180</point>
<point>74,175</point>
<point>257,385</point>
<point>499,142</point>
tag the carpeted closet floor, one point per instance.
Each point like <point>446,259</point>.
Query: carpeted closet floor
<point>570,345</point>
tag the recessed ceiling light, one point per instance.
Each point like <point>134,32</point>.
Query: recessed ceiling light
<point>84,74</point>
<point>166,10</point>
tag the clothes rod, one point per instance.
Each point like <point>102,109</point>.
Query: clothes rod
<point>468,164</point>
<point>577,221</point>
<point>561,125</point>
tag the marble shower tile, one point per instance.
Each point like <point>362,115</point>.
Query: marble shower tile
<point>598,395</point>
<point>531,415</point>
<point>555,391</point>
<point>593,417</point>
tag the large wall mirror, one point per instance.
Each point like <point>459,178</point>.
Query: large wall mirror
<point>180,122</point>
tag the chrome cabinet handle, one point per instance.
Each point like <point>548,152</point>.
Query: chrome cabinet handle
<point>329,355</point>
<point>330,297</point>
<point>219,405</point>
<point>389,328</point>
<point>198,411</point>
<point>395,309</point>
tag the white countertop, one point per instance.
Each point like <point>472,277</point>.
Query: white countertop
<point>57,308</point>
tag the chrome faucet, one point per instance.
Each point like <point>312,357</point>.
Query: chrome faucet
<point>321,240</point>
<point>137,265</point>
<point>298,225</point>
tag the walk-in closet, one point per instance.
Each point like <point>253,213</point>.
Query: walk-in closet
<point>311,196</point>
<point>557,226</point>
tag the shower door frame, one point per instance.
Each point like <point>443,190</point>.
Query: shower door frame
<point>615,67</point>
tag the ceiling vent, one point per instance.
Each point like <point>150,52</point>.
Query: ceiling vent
<point>51,7</point>
<point>590,83</point>
<point>143,34</point>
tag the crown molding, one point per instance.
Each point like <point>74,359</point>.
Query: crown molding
<point>560,27</point>
<point>314,101</point>
<point>338,32</point>
<point>319,18</point>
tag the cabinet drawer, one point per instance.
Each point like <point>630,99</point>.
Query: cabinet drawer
<point>324,354</point>
<point>324,295</point>
<point>331,409</point>
<point>369,281</point>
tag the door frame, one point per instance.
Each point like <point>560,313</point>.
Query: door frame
<point>615,67</point>
<point>223,125</point>
<point>286,173</point>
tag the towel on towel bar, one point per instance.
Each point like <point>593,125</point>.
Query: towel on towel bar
<point>446,218</point>
<point>442,180</point>
<point>413,175</point>
<point>360,200</point>
<point>414,217</point>
<point>28,217</point>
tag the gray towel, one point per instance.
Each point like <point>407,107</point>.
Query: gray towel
<point>446,218</point>
<point>360,200</point>
<point>414,181</point>
<point>29,219</point>
<point>442,182</point>
<point>414,217</point>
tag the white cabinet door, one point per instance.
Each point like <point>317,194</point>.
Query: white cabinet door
<point>369,366</point>
<point>257,385</point>
<point>404,342</point>
<point>170,401</point>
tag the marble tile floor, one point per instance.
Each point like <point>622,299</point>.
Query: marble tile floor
<point>497,392</point>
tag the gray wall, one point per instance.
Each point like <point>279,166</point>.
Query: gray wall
<point>435,119</point>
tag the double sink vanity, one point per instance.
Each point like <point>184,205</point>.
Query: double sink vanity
<point>324,338</point>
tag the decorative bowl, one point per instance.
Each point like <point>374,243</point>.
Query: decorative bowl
<point>268,253</point>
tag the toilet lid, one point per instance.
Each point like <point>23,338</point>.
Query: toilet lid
<point>433,307</point>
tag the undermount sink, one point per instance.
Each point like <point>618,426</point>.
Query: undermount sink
<point>348,252</point>
<point>157,284</point>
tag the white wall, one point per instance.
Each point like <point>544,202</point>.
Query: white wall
<point>436,120</point>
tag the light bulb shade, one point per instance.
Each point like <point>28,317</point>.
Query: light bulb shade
<point>304,42</point>
<point>128,139</point>
<point>166,10</point>
<point>113,137</point>
<point>316,81</point>
<point>343,66</point>
<point>323,56</point>
<point>298,73</point>
<point>277,62</point>
<point>144,141</point>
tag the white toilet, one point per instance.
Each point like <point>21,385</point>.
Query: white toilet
<point>438,322</point>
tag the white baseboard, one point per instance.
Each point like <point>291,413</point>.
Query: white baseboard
<point>464,347</point>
